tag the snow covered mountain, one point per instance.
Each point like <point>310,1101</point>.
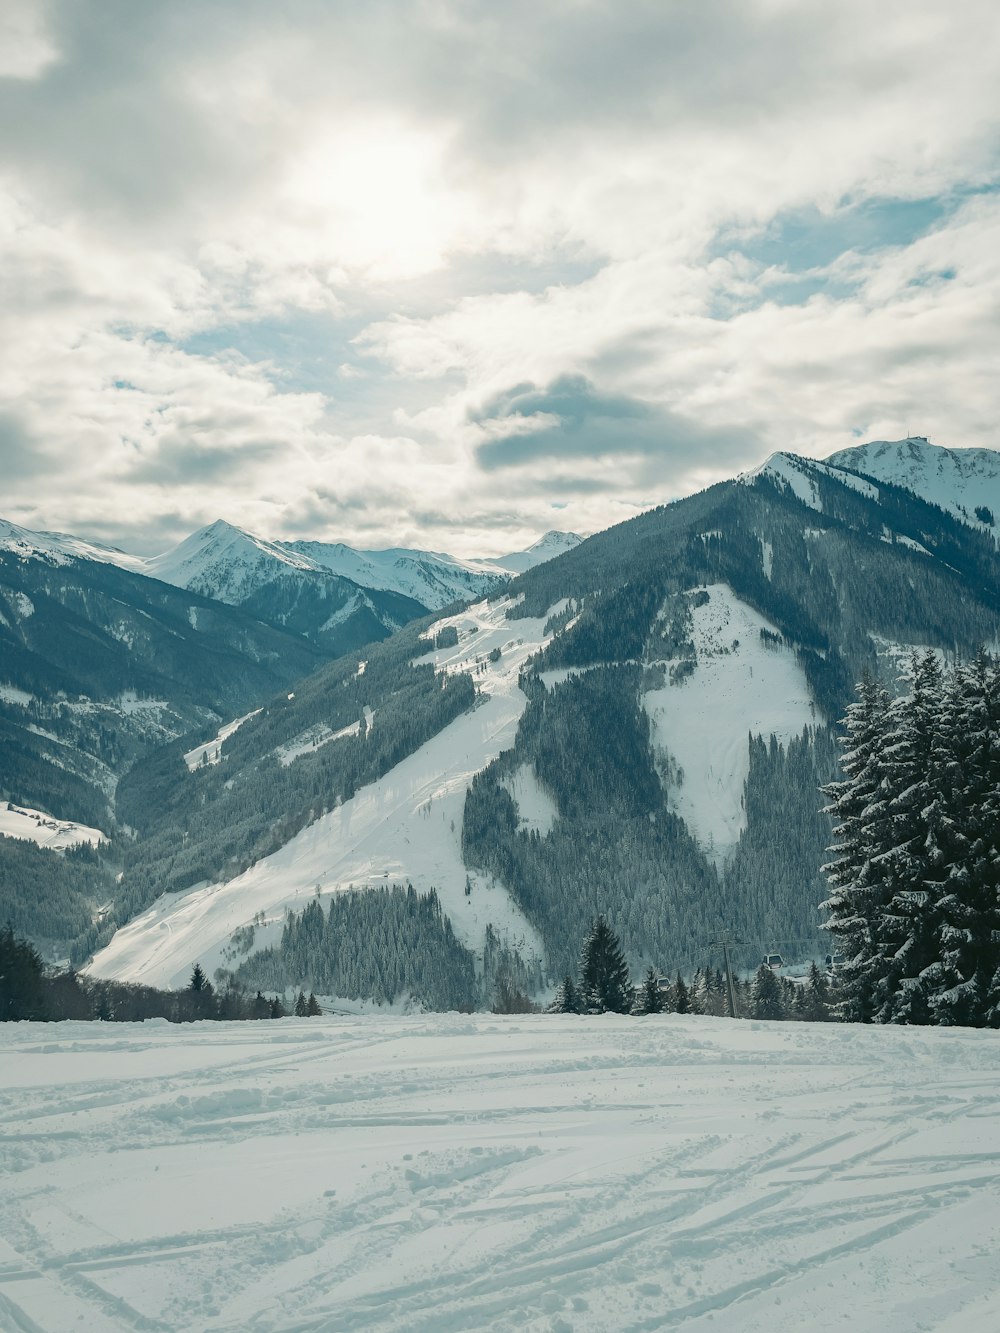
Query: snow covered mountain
<point>99,665</point>
<point>332,594</point>
<point>284,586</point>
<point>548,547</point>
<point>96,643</point>
<point>403,826</point>
<point>226,562</point>
<point>965,482</point>
<point>638,727</point>
<point>60,547</point>
<point>429,577</point>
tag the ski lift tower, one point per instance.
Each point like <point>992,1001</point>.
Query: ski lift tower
<point>724,943</point>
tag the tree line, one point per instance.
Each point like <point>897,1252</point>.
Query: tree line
<point>31,992</point>
<point>603,986</point>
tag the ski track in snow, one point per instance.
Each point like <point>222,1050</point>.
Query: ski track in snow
<point>549,1174</point>
<point>407,827</point>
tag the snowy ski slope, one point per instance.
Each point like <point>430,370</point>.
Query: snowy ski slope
<point>211,751</point>
<point>738,686</point>
<point>406,827</point>
<point>445,1174</point>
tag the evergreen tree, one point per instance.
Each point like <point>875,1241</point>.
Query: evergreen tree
<point>700,1003</point>
<point>766,999</point>
<point>259,1007</point>
<point>604,972</point>
<point>312,1006</point>
<point>567,998</point>
<point>198,1001</point>
<point>963,822</point>
<point>861,833</point>
<point>301,1009</point>
<point>66,997</point>
<point>649,998</point>
<point>907,939</point>
<point>682,996</point>
<point>915,904</point>
<point>815,996</point>
<point>22,992</point>
<point>278,1010</point>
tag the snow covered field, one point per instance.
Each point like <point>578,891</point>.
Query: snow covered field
<point>547,1174</point>
<point>18,821</point>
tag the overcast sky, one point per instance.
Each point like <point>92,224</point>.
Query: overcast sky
<point>448,273</point>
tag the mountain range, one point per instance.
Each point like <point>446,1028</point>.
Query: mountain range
<point>104,654</point>
<point>638,726</point>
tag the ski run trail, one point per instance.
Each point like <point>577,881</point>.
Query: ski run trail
<point>406,827</point>
<point>545,1173</point>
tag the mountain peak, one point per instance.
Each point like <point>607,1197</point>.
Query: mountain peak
<point>221,525</point>
<point>964,482</point>
<point>547,547</point>
<point>555,538</point>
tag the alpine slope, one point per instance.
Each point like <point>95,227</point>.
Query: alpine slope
<point>405,827</point>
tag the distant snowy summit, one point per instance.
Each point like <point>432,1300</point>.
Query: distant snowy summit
<point>58,547</point>
<point>964,482</point>
<point>546,548</point>
<point>232,565</point>
<point>229,564</point>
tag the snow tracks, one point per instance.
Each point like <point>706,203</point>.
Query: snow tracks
<point>541,1173</point>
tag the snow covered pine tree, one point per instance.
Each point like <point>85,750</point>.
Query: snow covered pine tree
<point>766,999</point>
<point>915,900</point>
<point>567,998</point>
<point>858,894</point>
<point>604,978</point>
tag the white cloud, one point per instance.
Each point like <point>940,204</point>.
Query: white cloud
<point>470,198</point>
<point>26,48</point>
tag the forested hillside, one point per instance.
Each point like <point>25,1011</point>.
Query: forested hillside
<point>834,576</point>
<point>215,820</point>
<point>98,664</point>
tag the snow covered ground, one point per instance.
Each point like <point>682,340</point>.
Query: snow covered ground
<point>19,821</point>
<point>537,1175</point>
<point>406,827</point>
<point>211,751</point>
<point>318,735</point>
<point>703,720</point>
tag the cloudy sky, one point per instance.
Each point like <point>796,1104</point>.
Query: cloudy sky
<point>452,272</point>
